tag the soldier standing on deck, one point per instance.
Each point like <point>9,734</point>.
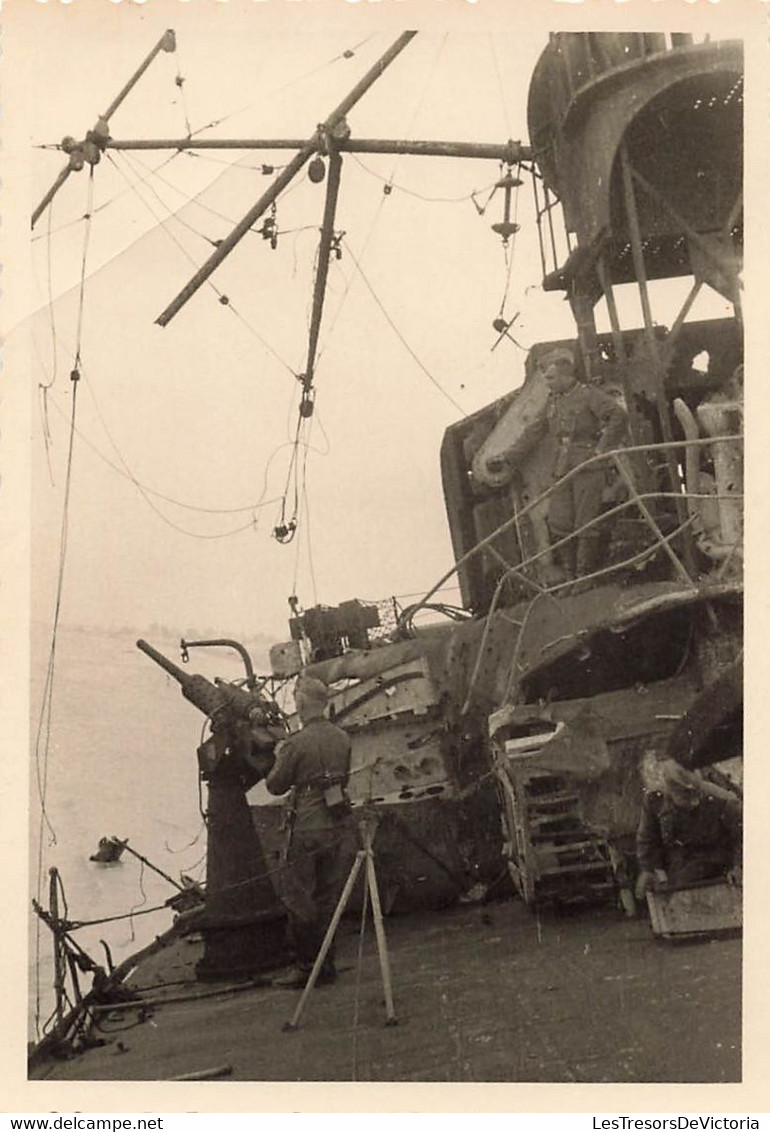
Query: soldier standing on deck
<point>314,763</point>
<point>583,422</point>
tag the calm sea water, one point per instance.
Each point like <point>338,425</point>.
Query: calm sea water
<point>121,761</point>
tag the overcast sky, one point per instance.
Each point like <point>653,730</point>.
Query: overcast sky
<point>203,411</point>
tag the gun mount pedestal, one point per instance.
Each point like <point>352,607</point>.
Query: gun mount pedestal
<point>243,924</point>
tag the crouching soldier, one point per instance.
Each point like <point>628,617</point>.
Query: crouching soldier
<point>689,831</point>
<point>314,763</point>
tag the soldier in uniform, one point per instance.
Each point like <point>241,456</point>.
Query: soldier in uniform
<point>314,763</point>
<point>583,422</point>
<point>689,831</point>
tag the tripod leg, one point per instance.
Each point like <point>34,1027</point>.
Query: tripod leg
<point>382,945</point>
<point>327,940</point>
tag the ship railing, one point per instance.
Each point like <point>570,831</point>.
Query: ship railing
<point>643,502</point>
<point>583,58</point>
<point>640,500</point>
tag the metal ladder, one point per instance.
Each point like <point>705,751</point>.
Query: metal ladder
<point>553,857</point>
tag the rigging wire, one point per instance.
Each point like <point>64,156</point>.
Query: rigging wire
<point>285,530</point>
<point>180,81</point>
<point>348,283</point>
<point>144,490</point>
<point>421,196</point>
<point>262,341</point>
<point>309,533</point>
<point>48,690</point>
<point>144,179</point>
<point>106,204</point>
<point>286,444</point>
<point>508,255</point>
<point>161,221</point>
<point>232,165</point>
<point>264,167</point>
<point>295,578</point>
<point>126,474</point>
<point>145,493</point>
<point>387,188</point>
<point>140,910</point>
<point>82,288</point>
<point>200,879</point>
<point>149,172</point>
<point>305,508</point>
<point>136,907</point>
<point>421,100</point>
<point>196,534</point>
<point>401,338</point>
<point>309,541</point>
<point>501,88</point>
<point>43,387</point>
<point>297,496</point>
<point>304,440</point>
<point>45,424</point>
<point>348,53</point>
<point>223,299</point>
<point>43,732</point>
<point>189,844</point>
<point>71,223</point>
<point>52,316</point>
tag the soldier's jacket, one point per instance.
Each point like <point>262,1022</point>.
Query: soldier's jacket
<point>670,837</point>
<point>309,761</point>
<point>584,422</point>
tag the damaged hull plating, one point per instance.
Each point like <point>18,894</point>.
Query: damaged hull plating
<point>451,728</point>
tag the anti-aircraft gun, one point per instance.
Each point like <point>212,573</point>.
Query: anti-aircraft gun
<point>244,723</point>
<point>242,923</point>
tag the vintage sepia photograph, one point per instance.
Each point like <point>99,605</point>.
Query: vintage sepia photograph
<point>383,380</point>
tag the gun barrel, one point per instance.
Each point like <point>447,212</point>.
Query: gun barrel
<point>168,665</point>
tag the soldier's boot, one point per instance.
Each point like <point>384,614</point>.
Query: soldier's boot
<point>299,975</point>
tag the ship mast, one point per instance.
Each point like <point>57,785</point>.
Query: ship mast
<point>596,105</point>
<point>330,140</point>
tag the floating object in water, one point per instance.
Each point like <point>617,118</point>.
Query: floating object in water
<point>109,851</point>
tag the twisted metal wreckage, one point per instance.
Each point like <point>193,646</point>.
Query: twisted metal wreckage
<point>519,729</point>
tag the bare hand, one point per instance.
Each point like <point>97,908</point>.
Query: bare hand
<point>648,880</point>
<point>644,882</point>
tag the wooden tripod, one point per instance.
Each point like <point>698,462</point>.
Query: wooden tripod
<point>367,824</point>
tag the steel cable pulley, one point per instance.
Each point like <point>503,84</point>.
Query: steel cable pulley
<point>507,229</point>
<point>316,170</point>
<point>508,182</point>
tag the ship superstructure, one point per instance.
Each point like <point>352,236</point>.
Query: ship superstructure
<point>508,740</point>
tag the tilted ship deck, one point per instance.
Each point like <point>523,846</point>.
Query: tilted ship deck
<point>505,749</point>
